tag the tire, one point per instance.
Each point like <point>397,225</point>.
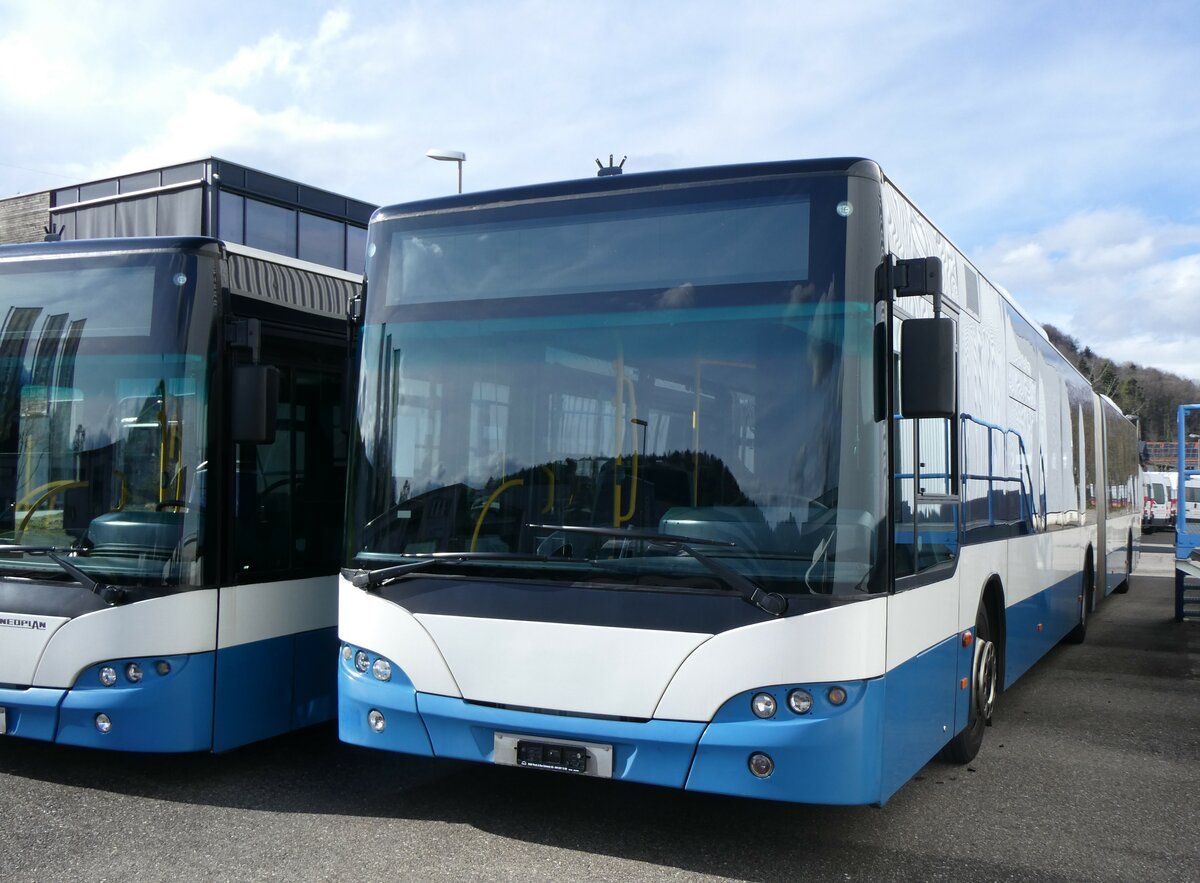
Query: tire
<point>984,673</point>
<point>1078,634</point>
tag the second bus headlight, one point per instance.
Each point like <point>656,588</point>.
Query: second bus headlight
<point>382,669</point>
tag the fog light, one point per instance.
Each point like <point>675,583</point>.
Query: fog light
<point>133,673</point>
<point>108,676</point>
<point>761,764</point>
<point>362,661</point>
<point>837,695</point>
<point>375,720</point>
<point>800,701</point>
<point>763,705</point>
<point>103,723</point>
<point>382,669</point>
<point>162,667</point>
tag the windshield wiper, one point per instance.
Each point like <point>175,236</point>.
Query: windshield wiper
<point>110,594</point>
<point>771,602</point>
<point>369,579</point>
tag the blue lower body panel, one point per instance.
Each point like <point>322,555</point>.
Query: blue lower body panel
<point>171,712</point>
<point>654,752</point>
<point>831,755</point>
<point>196,702</point>
<point>161,712</point>
<point>266,688</point>
<point>1039,622</point>
<point>31,713</point>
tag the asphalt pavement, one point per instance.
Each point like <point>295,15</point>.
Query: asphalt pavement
<point>1090,773</point>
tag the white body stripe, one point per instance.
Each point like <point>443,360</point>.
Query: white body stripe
<point>841,643</point>
<point>258,611</point>
<point>562,666</point>
<point>171,625</point>
<point>367,621</point>
<point>23,639</point>
<point>922,617</point>
<point>616,671</point>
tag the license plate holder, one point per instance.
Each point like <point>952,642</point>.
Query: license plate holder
<point>555,755</point>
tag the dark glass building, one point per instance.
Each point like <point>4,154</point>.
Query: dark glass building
<point>208,197</point>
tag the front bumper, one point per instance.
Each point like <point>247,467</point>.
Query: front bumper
<point>830,756</point>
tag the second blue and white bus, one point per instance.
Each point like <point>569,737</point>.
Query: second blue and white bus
<point>172,480</point>
<point>740,479</point>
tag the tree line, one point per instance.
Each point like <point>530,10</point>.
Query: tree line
<point>1151,394</point>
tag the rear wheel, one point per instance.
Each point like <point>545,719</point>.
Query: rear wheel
<point>1079,633</point>
<point>984,686</point>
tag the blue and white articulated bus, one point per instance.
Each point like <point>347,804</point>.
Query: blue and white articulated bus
<point>739,479</point>
<point>172,481</point>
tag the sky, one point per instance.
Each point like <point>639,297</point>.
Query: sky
<point>1055,143</point>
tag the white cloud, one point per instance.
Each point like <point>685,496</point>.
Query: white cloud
<point>1121,282</point>
<point>270,55</point>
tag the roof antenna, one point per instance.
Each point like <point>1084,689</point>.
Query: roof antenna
<point>53,234</point>
<point>610,169</point>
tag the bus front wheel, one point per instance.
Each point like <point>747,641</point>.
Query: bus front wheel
<point>984,673</point>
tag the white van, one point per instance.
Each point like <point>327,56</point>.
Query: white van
<point>1191,499</point>
<point>1158,511</point>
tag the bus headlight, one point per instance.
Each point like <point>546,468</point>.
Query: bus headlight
<point>362,661</point>
<point>108,676</point>
<point>763,705</point>
<point>382,669</point>
<point>800,701</point>
<point>133,673</point>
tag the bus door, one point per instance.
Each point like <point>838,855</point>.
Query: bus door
<point>277,633</point>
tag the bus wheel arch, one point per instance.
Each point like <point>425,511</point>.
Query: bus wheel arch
<point>993,597</point>
<point>987,675</point>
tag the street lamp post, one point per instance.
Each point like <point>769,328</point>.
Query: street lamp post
<point>455,156</point>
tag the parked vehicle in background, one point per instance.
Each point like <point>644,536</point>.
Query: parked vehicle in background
<point>1158,511</point>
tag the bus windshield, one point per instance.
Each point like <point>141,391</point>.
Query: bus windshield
<point>682,363</point>
<point>103,416</point>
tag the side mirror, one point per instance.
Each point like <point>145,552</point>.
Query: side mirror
<point>927,368</point>
<point>255,400</point>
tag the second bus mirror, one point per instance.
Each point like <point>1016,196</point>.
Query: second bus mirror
<point>927,368</point>
<point>254,403</point>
